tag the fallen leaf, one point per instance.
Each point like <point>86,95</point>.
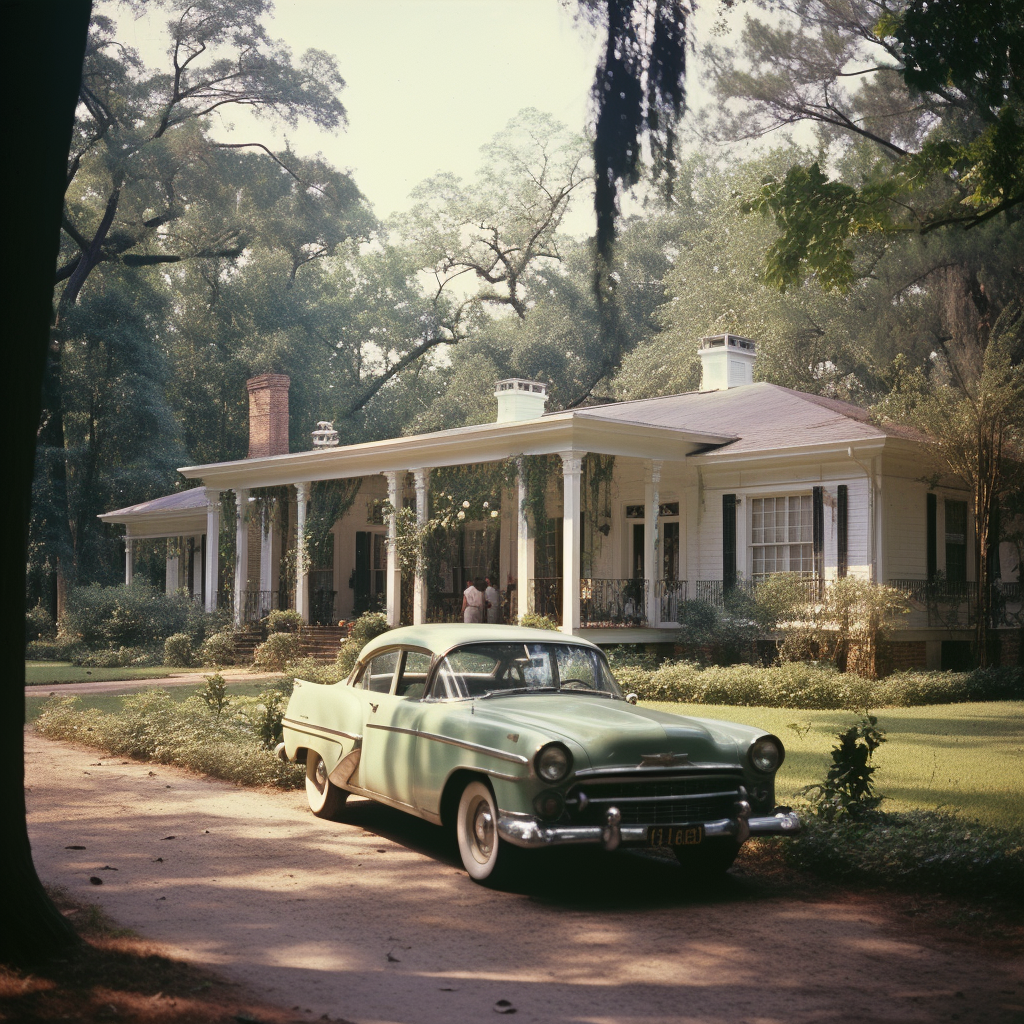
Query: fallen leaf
<point>74,847</point>
<point>165,838</point>
<point>107,867</point>
<point>95,880</point>
<point>393,959</point>
<point>504,1006</point>
<point>158,860</point>
<point>159,898</point>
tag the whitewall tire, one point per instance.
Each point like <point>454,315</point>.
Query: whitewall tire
<point>326,800</point>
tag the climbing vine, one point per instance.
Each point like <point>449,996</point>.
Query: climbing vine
<point>596,491</point>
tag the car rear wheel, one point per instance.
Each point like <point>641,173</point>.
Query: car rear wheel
<point>486,856</point>
<point>326,800</point>
<point>712,857</point>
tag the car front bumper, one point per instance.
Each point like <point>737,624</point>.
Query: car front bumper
<point>528,832</point>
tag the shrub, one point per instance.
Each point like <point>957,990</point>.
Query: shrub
<point>367,626</point>
<point>847,790</point>
<point>719,637</point>
<point>154,727</point>
<point>215,694</point>
<point>132,616</point>
<point>38,623</point>
<point>935,851</point>
<point>817,687</point>
<point>218,649</point>
<point>276,651</point>
<point>60,648</point>
<point>313,671</point>
<point>534,620</point>
<point>179,651</point>
<point>120,657</point>
<point>284,620</point>
<point>264,714</point>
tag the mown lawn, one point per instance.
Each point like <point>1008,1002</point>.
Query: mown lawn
<point>110,703</point>
<point>963,757</point>
<point>48,673</point>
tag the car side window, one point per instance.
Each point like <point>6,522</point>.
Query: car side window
<point>380,672</point>
<point>413,678</point>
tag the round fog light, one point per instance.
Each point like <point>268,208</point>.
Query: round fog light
<point>548,805</point>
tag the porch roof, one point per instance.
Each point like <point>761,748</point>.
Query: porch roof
<point>576,430</point>
<point>172,515</point>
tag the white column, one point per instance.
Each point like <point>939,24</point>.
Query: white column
<point>212,547</point>
<point>129,560</point>
<point>173,561</point>
<point>241,552</point>
<point>393,576</point>
<point>266,562</point>
<point>652,548</point>
<point>524,550</point>
<point>301,588</point>
<point>419,605</point>
<point>572,463</point>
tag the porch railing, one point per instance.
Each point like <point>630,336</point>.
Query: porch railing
<point>260,603</point>
<point>613,603</point>
<point>444,608</point>
<point>546,596</point>
<point>952,603</point>
<point>670,594</point>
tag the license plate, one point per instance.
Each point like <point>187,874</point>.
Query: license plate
<point>675,835</point>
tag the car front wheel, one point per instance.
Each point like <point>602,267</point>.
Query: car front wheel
<point>484,855</point>
<point>326,800</point>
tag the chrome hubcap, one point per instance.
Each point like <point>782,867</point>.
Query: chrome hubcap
<point>483,828</point>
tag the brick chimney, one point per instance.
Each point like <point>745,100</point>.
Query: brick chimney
<point>268,415</point>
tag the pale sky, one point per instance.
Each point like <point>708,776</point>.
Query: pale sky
<point>428,82</point>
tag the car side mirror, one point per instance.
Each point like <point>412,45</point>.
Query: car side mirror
<point>631,698</point>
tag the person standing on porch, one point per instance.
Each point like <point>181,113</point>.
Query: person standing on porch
<point>473,601</point>
<point>493,599</point>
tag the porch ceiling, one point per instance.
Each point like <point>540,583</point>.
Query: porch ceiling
<point>489,442</point>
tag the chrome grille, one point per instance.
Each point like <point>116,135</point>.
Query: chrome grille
<point>679,800</point>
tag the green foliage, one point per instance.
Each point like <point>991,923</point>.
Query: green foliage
<point>218,649</point>
<point>721,637</point>
<point>98,616</point>
<point>119,657</point>
<point>312,671</point>
<point>362,631</point>
<point>931,851</point>
<point>59,648</point>
<point>847,790</point>
<point>276,651</point>
<point>284,620</point>
<point>153,727</point>
<point>179,651</point>
<point>817,686</point>
<point>38,623</point>
<point>265,715</point>
<point>534,620</point>
<point>215,693</point>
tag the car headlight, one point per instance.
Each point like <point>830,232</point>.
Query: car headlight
<point>553,762</point>
<point>766,754</point>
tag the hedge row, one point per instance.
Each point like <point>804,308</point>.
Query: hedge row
<point>933,851</point>
<point>154,727</point>
<point>816,687</point>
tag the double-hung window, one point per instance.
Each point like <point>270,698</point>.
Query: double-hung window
<point>782,535</point>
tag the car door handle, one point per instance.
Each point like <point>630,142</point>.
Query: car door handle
<point>373,708</point>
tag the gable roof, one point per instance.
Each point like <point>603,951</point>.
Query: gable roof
<point>760,417</point>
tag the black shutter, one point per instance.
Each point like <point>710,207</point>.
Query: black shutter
<point>842,535</point>
<point>203,571</point>
<point>728,541</point>
<point>933,537</point>
<point>818,532</point>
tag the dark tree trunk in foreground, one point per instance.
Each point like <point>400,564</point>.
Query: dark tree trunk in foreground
<point>43,70</point>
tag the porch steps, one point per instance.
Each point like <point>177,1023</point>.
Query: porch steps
<point>247,640</point>
<point>322,642</point>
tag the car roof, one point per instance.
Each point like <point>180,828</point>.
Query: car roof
<point>439,638</point>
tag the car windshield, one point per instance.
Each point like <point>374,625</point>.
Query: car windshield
<point>500,669</point>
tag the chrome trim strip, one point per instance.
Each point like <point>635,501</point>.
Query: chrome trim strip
<point>476,747</point>
<point>658,772</point>
<point>308,729</point>
<point>531,834</point>
<point>659,799</point>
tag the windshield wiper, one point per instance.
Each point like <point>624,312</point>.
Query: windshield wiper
<point>587,693</point>
<point>520,689</point>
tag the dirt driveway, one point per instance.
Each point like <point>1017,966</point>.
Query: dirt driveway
<point>374,920</point>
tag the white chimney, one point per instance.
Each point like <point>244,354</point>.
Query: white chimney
<point>520,399</point>
<point>726,361</point>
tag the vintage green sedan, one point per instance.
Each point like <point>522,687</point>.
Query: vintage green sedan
<point>522,739</point>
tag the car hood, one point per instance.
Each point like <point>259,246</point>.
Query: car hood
<point>614,733</point>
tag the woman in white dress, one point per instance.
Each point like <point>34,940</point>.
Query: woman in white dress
<point>473,601</point>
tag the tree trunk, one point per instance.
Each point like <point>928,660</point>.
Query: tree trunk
<point>43,118</point>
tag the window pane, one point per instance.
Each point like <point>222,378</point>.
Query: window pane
<point>381,671</point>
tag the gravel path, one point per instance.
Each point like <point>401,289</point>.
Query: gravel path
<point>374,921</point>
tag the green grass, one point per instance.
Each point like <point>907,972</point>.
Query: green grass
<point>111,703</point>
<point>963,757</point>
<point>49,673</point>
